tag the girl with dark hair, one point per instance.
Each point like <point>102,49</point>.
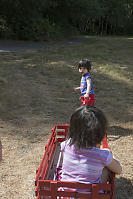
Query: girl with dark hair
<point>86,84</point>
<point>83,161</point>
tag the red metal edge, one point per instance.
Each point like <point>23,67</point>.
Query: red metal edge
<point>104,145</point>
<point>46,150</point>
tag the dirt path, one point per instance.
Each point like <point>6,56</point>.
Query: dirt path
<point>14,46</point>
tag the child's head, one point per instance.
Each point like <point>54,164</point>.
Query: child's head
<point>84,63</point>
<point>88,126</point>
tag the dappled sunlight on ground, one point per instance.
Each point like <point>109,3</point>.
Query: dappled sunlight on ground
<point>36,93</point>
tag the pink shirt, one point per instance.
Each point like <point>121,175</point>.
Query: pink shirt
<point>84,165</point>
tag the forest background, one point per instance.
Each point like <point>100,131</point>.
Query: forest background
<point>54,19</point>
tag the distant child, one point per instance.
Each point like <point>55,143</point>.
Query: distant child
<point>86,85</point>
<point>82,161</point>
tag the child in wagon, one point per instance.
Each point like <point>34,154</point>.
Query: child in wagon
<point>82,160</point>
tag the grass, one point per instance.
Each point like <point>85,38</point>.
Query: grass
<point>36,92</point>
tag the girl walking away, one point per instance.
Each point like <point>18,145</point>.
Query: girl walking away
<point>86,85</point>
<point>83,161</point>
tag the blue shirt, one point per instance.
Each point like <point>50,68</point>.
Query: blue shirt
<point>83,84</point>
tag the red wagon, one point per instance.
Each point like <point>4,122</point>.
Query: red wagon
<point>47,182</point>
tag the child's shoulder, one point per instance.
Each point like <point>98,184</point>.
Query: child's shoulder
<point>105,155</point>
<point>64,144</point>
<point>88,75</point>
<point>101,152</point>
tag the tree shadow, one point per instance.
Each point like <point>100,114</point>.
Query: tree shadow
<point>28,97</point>
<point>124,188</point>
<point>115,99</point>
<point>115,132</point>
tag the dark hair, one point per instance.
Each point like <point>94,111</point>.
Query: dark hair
<point>88,126</point>
<point>85,63</point>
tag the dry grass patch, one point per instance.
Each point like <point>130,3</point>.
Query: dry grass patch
<point>36,92</point>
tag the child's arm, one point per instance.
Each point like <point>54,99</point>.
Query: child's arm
<point>88,87</point>
<point>115,166</point>
<point>77,88</point>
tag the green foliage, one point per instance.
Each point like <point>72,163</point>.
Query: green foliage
<point>3,25</point>
<point>22,19</point>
